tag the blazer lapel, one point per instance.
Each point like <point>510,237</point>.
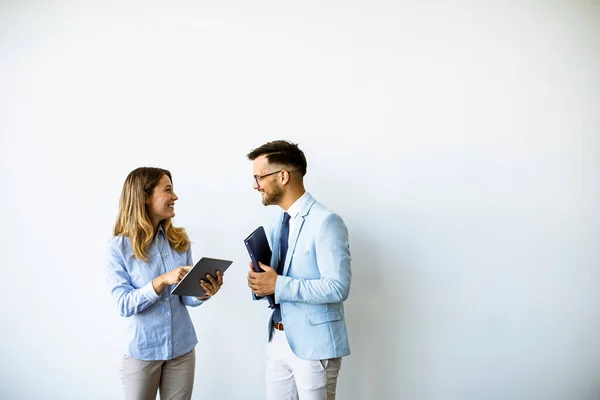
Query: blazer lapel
<point>275,234</point>
<point>296,232</point>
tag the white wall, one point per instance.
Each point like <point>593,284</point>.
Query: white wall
<point>459,142</point>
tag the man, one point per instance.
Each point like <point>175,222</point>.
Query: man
<point>309,276</point>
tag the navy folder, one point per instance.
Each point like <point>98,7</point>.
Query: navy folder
<point>259,250</point>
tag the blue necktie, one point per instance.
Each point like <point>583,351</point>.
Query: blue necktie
<point>283,242</point>
<point>283,248</point>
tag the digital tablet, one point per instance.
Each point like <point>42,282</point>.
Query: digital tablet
<point>190,284</point>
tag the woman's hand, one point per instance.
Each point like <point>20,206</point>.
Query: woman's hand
<point>175,276</point>
<point>170,278</point>
<point>211,285</point>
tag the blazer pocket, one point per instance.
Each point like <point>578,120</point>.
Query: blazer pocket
<point>301,255</point>
<point>322,317</point>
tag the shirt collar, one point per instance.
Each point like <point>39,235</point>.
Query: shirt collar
<point>160,230</point>
<point>295,208</point>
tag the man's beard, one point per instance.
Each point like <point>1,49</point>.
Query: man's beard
<point>272,198</point>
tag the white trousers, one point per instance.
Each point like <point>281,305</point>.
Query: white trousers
<point>289,377</point>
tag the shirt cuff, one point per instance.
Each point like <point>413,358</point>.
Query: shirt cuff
<point>280,285</point>
<point>149,293</point>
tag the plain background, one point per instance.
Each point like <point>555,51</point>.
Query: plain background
<point>460,142</point>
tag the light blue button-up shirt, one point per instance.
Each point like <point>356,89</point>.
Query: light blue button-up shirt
<point>159,327</point>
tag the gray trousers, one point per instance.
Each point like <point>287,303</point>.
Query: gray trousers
<point>142,379</point>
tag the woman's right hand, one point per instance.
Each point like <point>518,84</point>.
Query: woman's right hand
<point>170,278</point>
<point>175,276</point>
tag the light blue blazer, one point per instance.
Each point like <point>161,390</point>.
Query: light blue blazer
<point>315,281</point>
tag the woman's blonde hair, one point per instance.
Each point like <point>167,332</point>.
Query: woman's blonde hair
<point>133,220</point>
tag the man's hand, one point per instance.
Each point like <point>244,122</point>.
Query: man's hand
<point>262,283</point>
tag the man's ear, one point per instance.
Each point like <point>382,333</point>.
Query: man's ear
<point>285,177</point>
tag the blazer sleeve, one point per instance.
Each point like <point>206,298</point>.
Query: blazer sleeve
<point>333,261</point>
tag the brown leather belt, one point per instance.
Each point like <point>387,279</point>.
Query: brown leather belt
<point>278,326</point>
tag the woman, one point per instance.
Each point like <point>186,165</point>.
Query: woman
<point>147,257</point>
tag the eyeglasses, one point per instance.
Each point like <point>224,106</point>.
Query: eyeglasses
<point>257,178</point>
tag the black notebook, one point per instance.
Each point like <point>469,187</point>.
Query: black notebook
<point>259,250</point>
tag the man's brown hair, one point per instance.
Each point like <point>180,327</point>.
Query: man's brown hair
<point>281,152</point>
